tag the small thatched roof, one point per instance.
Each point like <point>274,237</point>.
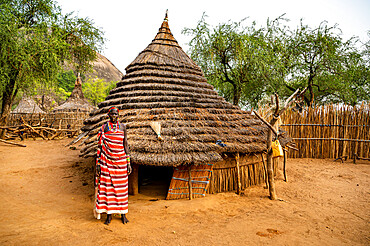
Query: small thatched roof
<point>164,85</point>
<point>27,106</point>
<point>76,101</point>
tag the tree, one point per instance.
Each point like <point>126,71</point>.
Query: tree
<point>330,68</point>
<point>66,80</point>
<point>247,64</point>
<point>96,90</point>
<point>229,56</point>
<point>36,39</point>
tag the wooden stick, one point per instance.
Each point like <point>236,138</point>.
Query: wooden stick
<point>239,184</point>
<point>290,147</point>
<point>284,168</point>
<point>190,185</point>
<point>78,138</point>
<point>8,142</point>
<point>362,158</point>
<point>32,129</point>
<point>335,139</point>
<point>270,170</point>
<point>56,135</point>
<point>325,125</point>
<point>289,101</point>
<point>264,121</point>
<point>265,169</point>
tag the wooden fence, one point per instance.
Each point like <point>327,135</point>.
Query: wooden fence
<point>329,132</point>
<point>61,120</point>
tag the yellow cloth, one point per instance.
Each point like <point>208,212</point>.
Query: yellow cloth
<point>277,150</point>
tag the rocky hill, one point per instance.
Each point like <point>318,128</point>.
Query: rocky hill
<point>105,69</point>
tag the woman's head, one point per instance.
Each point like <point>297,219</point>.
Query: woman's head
<point>113,114</point>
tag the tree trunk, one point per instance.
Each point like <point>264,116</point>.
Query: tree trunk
<point>5,111</point>
<point>236,96</point>
<point>7,100</point>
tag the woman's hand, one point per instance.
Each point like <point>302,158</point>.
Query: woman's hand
<point>98,170</point>
<point>129,169</point>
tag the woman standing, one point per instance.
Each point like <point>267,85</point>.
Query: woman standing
<point>113,167</point>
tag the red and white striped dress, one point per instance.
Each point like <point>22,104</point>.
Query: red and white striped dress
<point>112,197</point>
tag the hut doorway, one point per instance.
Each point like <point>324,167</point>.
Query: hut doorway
<point>154,181</point>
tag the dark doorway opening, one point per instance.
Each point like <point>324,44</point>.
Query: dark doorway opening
<point>154,181</point>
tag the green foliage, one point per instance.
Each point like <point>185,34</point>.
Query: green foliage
<point>329,67</point>
<point>96,90</point>
<point>63,95</point>
<point>36,39</point>
<point>247,64</point>
<point>228,56</point>
<point>66,80</point>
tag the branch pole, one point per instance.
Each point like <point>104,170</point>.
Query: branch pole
<point>265,170</point>
<point>270,168</point>
<point>285,157</point>
<point>78,138</point>
<point>239,187</point>
<point>9,142</point>
<point>266,123</point>
<point>190,185</point>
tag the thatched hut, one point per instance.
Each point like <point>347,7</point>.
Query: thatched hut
<point>27,106</point>
<point>201,132</point>
<point>76,102</point>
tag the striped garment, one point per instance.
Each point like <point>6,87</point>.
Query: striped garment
<point>112,196</point>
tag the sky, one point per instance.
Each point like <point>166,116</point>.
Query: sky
<point>130,26</point>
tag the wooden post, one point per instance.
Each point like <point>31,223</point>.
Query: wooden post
<point>239,184</point>
<point>266,174</point>
<point>190,185</point>
<point>285,155</point>
<point>133,180</point>
<point>270,168</point>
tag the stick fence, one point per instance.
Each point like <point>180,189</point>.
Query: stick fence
<point>329,132</point>
<point>54,120</point>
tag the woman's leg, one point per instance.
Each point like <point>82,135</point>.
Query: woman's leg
<point>108,220</point>
<point>124,219</point>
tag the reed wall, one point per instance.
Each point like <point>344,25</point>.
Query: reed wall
<point>252,172</point>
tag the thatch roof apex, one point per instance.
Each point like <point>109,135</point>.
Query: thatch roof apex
<point>164,50</point>
<point>78,81</point>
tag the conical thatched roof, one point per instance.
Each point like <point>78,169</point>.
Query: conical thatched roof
<point>76,101</point>
<point>27,106</point>
<point>164,85</point>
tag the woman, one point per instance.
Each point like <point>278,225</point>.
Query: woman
<point>113,167</point>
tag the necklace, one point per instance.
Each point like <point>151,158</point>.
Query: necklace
<point>113,126</point>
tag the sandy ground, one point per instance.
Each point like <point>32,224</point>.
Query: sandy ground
<point>46,192</point>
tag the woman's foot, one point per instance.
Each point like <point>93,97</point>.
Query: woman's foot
<point>124,219</point>
<point>108,220</point>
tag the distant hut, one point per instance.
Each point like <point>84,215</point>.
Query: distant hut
<point>76,102</point>
<point>28,111</point>
<point>27,106</point>
<point>202,133</point>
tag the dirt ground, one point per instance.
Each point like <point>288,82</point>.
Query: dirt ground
<point>47,190</point>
